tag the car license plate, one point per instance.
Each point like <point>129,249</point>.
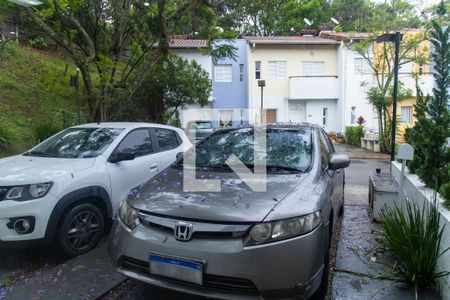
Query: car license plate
<point>188,271</point>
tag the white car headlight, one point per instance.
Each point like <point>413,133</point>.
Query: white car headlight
<point>128,215</point>
<point>284,229</point>
<point>25,192</point>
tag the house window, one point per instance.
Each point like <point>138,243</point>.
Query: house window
<point>406,114</point>
<point>420,69</point>
<point>277,69</point>
<point>313,68</point>
<point>257,70</point>
<point>241,72</point>
<point>223,73</point>
<point>362,66</point>
<point>225,118</point>
<point>324,116</point>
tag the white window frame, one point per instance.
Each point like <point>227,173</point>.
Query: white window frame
<point>325,116</point>
<point>223,73</point>
<point>257,69</point>
<point>407,120</point>
<point>277,69</point>
<point>361,66</point>
<point>313,68</point>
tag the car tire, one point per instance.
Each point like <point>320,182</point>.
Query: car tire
<point>81,229</point>
<point>341,210</point>
<point>322,291</point>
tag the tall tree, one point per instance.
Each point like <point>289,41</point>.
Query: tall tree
<point>380,57</point>
<point>433,170</point>
<point>116,43</point>
<point>353,15</point>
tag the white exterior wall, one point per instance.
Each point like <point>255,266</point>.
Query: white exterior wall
<point>280,94</point>
<point>354,91</point>
<point>354,94</point>
<point>206,63</point>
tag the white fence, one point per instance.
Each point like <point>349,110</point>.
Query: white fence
<point>416,191</point>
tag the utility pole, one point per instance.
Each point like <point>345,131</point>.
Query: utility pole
<point>262,84</point>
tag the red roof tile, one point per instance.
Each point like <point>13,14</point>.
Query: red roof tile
<point>187,43</point>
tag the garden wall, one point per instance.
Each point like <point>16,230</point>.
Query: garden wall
<point>415,190</point>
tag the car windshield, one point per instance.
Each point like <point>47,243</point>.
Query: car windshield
<point>288,149</point>
<point>77,143</point>
<point>202,125</point>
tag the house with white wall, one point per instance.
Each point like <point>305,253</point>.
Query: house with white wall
<point>357,78</point>
<point>302,83</point>
<point>191,49</point>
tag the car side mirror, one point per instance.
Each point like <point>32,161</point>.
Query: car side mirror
<point>338,161</point>
<point>122,155</point>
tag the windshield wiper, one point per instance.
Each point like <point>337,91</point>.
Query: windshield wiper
<point>39,153</point>
<point>285,168</point>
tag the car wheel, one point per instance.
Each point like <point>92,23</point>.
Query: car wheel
<point>81,229</point>
<point>322,291</point>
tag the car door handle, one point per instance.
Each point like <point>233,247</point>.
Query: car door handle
<point>338,171</point>
<point>153,167</point>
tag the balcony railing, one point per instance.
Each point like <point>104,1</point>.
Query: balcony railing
<point>313,87</point>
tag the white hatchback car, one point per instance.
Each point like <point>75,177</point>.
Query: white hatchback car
<point>69,187</point>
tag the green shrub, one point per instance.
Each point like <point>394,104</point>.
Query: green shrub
<point>5,136</point>
<point>7,49</point>
<point>353,134</point>
<point>37,42</point>
<point>45,129</point>
<point>445,190</point>
<point>413,240</point>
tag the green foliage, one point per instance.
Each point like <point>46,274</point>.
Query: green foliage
<point>413,239</point>
<point>353,134</point>
<point>435,155</point>
<point>37,42</point>
<point>174,82</point>
<point>417,135</point>
<point>7,49</point>
<point>34,86</point>
<point>445,190</point>
<point>44,129</point>
<point>5,136</point>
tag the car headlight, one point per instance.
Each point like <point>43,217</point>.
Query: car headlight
<point>268,232</point>
<point>25,192</point>
<point>128,215</point>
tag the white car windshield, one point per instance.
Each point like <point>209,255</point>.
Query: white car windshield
<point>76,143</point>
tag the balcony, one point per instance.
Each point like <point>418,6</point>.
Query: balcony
<point>313,87</point>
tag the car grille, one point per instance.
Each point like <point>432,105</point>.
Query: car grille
<point>210,282</point>
<point>167,225</point>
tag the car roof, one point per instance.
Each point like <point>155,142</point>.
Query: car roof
<point>125,125</point>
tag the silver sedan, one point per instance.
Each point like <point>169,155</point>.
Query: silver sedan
<point>237,243</point>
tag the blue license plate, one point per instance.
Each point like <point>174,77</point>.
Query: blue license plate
<point>176,268</point>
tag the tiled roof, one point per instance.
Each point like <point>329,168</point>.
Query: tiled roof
<point>290,40</point>
<point>188,43</point>
<point>344,36</point>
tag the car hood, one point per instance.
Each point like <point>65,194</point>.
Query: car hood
<point>20,169</point>
<point>235,203</point>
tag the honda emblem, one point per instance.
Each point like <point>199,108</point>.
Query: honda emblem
<point>183,231</point>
